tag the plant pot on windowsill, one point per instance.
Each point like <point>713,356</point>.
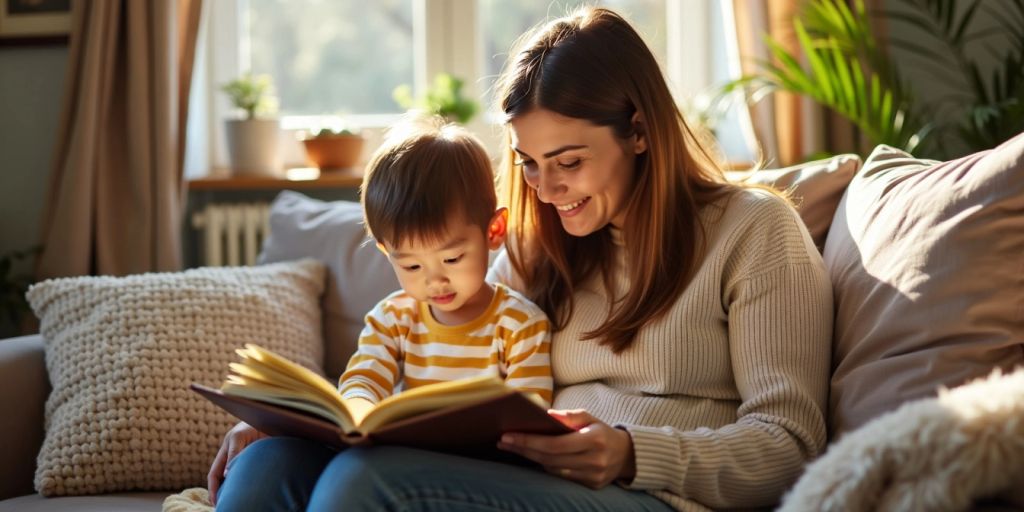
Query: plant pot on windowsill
<point>331,152</point>
<point>253,147</point>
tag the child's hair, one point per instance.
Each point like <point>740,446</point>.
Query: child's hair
<point>426,172</point>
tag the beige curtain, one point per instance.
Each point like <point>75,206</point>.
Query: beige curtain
<point>116,196</point>
<point>788,128</point>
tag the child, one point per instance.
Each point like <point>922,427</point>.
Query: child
<point>429,202</point>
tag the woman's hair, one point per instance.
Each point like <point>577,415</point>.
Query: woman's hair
<point>425,173</point>
<point>593,65</point>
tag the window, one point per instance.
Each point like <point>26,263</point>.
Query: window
<point>330,57</point>
<point>502,22</point>
<point>337,61</point>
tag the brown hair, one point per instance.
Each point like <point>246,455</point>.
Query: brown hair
<point>592,65</point>
<point>424,173</point>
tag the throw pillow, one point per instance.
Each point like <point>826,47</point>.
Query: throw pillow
<point>359,275</point>
<point>815,187</point>
<point>121,352</point>
<point>927,265</point>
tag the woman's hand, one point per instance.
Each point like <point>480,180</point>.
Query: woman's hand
<point>240,436</point>
<point>595,455</point>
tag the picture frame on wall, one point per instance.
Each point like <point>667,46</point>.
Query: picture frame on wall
<point>34,22</point>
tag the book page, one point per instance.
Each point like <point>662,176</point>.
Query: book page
<point>263,374</point>
<point>432,397</point>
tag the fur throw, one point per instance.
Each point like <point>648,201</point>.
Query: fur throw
<point>939,453</point>
<point>194,499</point>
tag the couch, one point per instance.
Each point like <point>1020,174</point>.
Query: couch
<point>926,259</point>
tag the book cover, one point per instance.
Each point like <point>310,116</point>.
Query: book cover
<point>471,429</point>
<point>466,417</point>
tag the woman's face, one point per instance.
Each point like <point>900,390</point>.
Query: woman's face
<point>582,170</point>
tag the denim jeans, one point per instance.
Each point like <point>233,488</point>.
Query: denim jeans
<point>286,474</point>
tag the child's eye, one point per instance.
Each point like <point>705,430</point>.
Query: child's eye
<point>451,261</point>
<point>570,165</point>
<point>410,268</point>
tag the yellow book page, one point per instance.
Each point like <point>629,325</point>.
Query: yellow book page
<point>264,375</point>
<point>283,365</point>
<point>430,398</point>
<point>240,386</point>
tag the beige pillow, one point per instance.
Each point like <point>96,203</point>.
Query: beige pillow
<point>121,353</point>
<point>815,187</point>
<point>927,266</point>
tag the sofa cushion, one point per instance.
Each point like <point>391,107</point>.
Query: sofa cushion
<point>121,352</point>
<point>358,276</point>
<point>23,391</point>
<point>815,188</point>
<point>927,265</point>
<point>120,502</point>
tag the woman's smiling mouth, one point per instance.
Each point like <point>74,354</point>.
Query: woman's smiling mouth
<point>571,208</point>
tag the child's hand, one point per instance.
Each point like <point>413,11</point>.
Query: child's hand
<point>358,407</point>
<point>240,436</point>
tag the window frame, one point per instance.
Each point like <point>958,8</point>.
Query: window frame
<point>447,38</point>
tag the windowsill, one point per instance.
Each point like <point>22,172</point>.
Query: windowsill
<point>295,178</point>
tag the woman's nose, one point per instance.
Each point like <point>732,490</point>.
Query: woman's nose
<point>548,185</point>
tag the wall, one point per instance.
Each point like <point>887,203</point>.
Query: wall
<point>31,91</point>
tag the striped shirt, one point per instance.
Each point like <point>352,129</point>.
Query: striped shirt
<point>403,347</point>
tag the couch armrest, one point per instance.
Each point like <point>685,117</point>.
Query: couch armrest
<point>24,386</point>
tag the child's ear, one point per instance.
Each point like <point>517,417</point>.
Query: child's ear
<point>640,132</point>
<point>497,229</point>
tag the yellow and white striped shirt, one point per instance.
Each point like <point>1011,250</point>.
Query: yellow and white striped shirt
<point>403,346</point>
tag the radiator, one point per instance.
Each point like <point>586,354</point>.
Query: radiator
<point>231,233</point>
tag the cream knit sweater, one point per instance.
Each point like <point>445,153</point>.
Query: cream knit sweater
<point>724,395</point>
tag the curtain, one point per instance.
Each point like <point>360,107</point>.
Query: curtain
<point>116,196</point>
<point>789,128</point>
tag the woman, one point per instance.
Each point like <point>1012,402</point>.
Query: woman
<point>693,317</point>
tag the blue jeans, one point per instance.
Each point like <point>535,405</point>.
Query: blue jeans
<point>285,474</point>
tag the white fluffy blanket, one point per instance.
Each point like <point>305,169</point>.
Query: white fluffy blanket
<point>936,454</point>
<point>195,499</point>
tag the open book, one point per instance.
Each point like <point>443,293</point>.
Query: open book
<point>280,397</point>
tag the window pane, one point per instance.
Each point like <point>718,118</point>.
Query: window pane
<point>502,22</point>
<point>332,56</point>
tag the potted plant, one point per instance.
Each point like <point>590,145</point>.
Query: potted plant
<point>849,71</point>
<point>443,98</point>
<point>254,140</point>
<point>333,149</point>
<point>14,309</point>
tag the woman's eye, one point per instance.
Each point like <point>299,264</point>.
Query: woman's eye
<point>527,165</point>
<point>570,165</point>
<point>454,260</point>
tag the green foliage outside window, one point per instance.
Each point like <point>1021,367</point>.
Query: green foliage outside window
<point>444,98</point>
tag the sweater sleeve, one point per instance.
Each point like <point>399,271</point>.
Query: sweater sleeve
<point>373,372</point>
<point>528,355</point>
<point>779,306</point>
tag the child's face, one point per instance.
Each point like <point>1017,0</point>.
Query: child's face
<point>447,274</point>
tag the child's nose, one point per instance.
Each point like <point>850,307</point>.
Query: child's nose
<point>436,277</point>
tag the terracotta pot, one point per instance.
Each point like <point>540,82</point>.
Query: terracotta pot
<point>334,152</point>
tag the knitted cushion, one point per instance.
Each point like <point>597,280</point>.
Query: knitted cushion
<point>121,353</point>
